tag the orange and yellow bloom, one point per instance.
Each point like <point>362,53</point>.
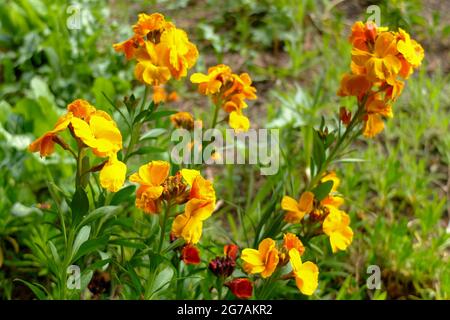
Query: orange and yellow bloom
<point>94,129</point>
<point>296,210</point>
<point>229,91</point>
<point>161,50</point>
<point>306,274</point>
<point>380,58</point>
<point>263,261</point>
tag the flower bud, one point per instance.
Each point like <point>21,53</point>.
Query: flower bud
<point>190,254</point>
<point>242,288</point>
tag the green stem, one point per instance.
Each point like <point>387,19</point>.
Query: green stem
<point>163,223</point>
<point>216,113</point>
<point>337,146</point>
<point>79,159</point>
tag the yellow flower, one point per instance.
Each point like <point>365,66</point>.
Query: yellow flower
<point>291,241</point>
<point>373,121</point>
<point>239,122</point>
<point>112,175</point>
<point>211,83</point>
<point>150,177</point>
<point>46,143</point>
<point>296,210</point>
<point>410,49</point>
<point>149,69</point>
<point>162,51</point>
<point>336,226</point>
<point>81,109</point>
<point>149,23</point>
<point>263,261</point>
<point>201,205</point>
<point>100,134</point>
<point>189,224</point>
<point>383,64</point>
<point>182,120</point>
<point>306,274</point>
<point>177,53</point>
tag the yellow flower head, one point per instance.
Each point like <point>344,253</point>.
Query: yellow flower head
<point>162,51</point>
<point>100,134</point>
<point>376,109</point>
<point>336,226</point>
<point>296,210</point>
<point>150,176</point>
<point>112,175</point>
<point>209,84</point>
<point>306,274</point>
<point>228,90</point>
<point>200,206</point>
<point>238,122</point>
<point>263,261</point>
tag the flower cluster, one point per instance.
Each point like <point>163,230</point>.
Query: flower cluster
<point>380,58</point>
<point>91,128</point>
<point>185,187</point>
<point>268,257</point>
<point>161,50</point>
<point>228,91</point>
<point>335,222</point>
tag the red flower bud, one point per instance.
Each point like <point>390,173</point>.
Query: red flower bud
<point>190,254</point>
<point>242,288</point>
<point>345,116</point>
<point>222,266</point>
<point>231,251</point>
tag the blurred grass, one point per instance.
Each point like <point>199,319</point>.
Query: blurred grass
<point>397,196</point>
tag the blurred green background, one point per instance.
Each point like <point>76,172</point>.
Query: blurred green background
<point>397,190</point>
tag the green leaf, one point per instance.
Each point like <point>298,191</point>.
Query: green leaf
<point>322,190</point>
<point>160,114</point>
<point>79,205</point>
<point>153,133</point>
<point>102,87</point>
<point>54,251</point>
<point>91,246</point>
<point>318,151</point>
<point>123,195</point>
<point>99,213</point>
<point>147,150</point>
<point>37,289</point>
<point>81,238</point>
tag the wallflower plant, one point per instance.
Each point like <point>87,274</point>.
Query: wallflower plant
<point>177,202</point>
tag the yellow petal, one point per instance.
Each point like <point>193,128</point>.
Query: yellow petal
<point>189,175</point>
<point>289,204</point>
<point>239,122</point>
<point>112,175</point>
<point>307,278</point>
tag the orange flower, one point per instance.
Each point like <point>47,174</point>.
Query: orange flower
<point>150,177</point>
<point>336,226</point>
<point>291,241</point>
<point>231,251</point>
<point>182,120</point>
<point>209,84</point>
<point>162,51</point>
<point>263,261</point>
<point>46,143</point>
<point>354,85</point>
<point>296,210</point>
